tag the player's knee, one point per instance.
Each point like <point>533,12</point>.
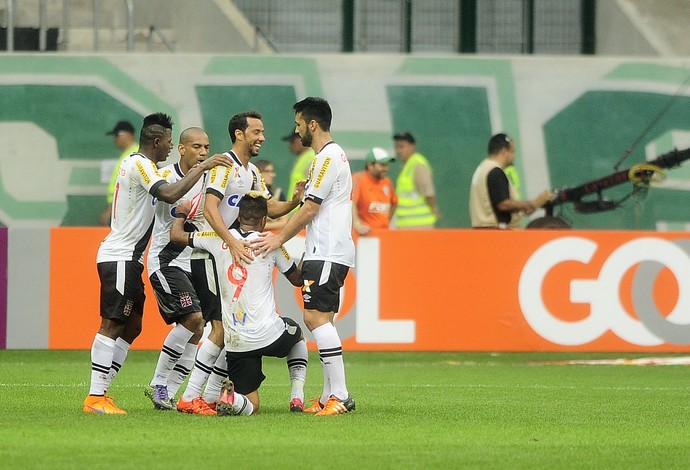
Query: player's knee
<point>132,328</point>
<point>216,334</point>
<point>314,319</point>
<point>194,322</point>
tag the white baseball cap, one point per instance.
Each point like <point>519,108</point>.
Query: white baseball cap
<point>378,155</point>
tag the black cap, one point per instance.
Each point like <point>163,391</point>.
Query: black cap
<point>404,135</point>
<point>121,126</point>
<point>290,137</point>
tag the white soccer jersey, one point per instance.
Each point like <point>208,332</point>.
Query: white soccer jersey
<point>329,183</point>
<point>231,183</point>
<point>133,209</point>
<point>250,319</point>
<point>161,252</point>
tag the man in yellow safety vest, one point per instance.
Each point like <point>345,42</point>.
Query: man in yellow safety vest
<point>417,208</point>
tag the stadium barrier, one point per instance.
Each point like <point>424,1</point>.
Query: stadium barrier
<point>453,290</point>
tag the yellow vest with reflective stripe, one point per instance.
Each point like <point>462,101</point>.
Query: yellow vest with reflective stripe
<point>412,210</point>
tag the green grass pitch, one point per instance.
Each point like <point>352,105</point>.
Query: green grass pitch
<point>414,410</point>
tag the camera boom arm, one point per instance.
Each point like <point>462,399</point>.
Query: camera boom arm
<point>637,173</point>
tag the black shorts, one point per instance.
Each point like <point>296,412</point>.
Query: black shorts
<point>175,293</point>
<point>321,289</point>
<point>244,368</point>
<point>122,289</point>
<point>206,285</point>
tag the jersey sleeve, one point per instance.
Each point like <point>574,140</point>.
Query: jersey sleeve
<point>207,240</point>
<point>324,174</point>
<point>147,175</point>
<point>258,183</point>
<point>218,178</point>
<point>283,261</point>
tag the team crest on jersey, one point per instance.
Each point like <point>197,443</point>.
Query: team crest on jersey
<point>185,299</point>
<point>239,317</point>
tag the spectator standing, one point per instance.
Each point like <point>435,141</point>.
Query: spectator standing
<point>373,197</point>
<point>123,137</point>
<point>417,208</point>
<point>494,202</point>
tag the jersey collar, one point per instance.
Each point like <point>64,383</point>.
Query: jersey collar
<point>178,170</point>
<point>234,156</point>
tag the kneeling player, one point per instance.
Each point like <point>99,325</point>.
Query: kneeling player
<point>253,328</point>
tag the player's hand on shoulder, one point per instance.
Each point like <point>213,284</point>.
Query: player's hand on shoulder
<point>217,159</point>
<point>240,250</point>
<point>265,243</point>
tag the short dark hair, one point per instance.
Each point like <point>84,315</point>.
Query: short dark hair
<point>253,206</point>
<point>154,127</point>
<point>239,122</point>
<point>316,109</point>
<point>404,136</point>
<point>499,142</point>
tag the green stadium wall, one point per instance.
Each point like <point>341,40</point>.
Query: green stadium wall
<point>572,118</point>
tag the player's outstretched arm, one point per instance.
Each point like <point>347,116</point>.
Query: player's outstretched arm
<point>268,241</point>
<point>280,208</point>
<point>170,193</point>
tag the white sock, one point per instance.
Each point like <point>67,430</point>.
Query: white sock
<point>181,369</point>
<point>173,347</point>
<point>297,360</point>
<point>101,361</point>
<point>331,354</point>
<point>326,392</point>
<point>241,405</point>
<point>215,380</point>
<point>119,355</point>
<point>203,365</point>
